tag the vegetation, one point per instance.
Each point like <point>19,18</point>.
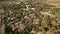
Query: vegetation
<point>31,17</point>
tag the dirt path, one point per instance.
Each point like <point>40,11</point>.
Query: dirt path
<point>53,2</point>
<point>0,30</point>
